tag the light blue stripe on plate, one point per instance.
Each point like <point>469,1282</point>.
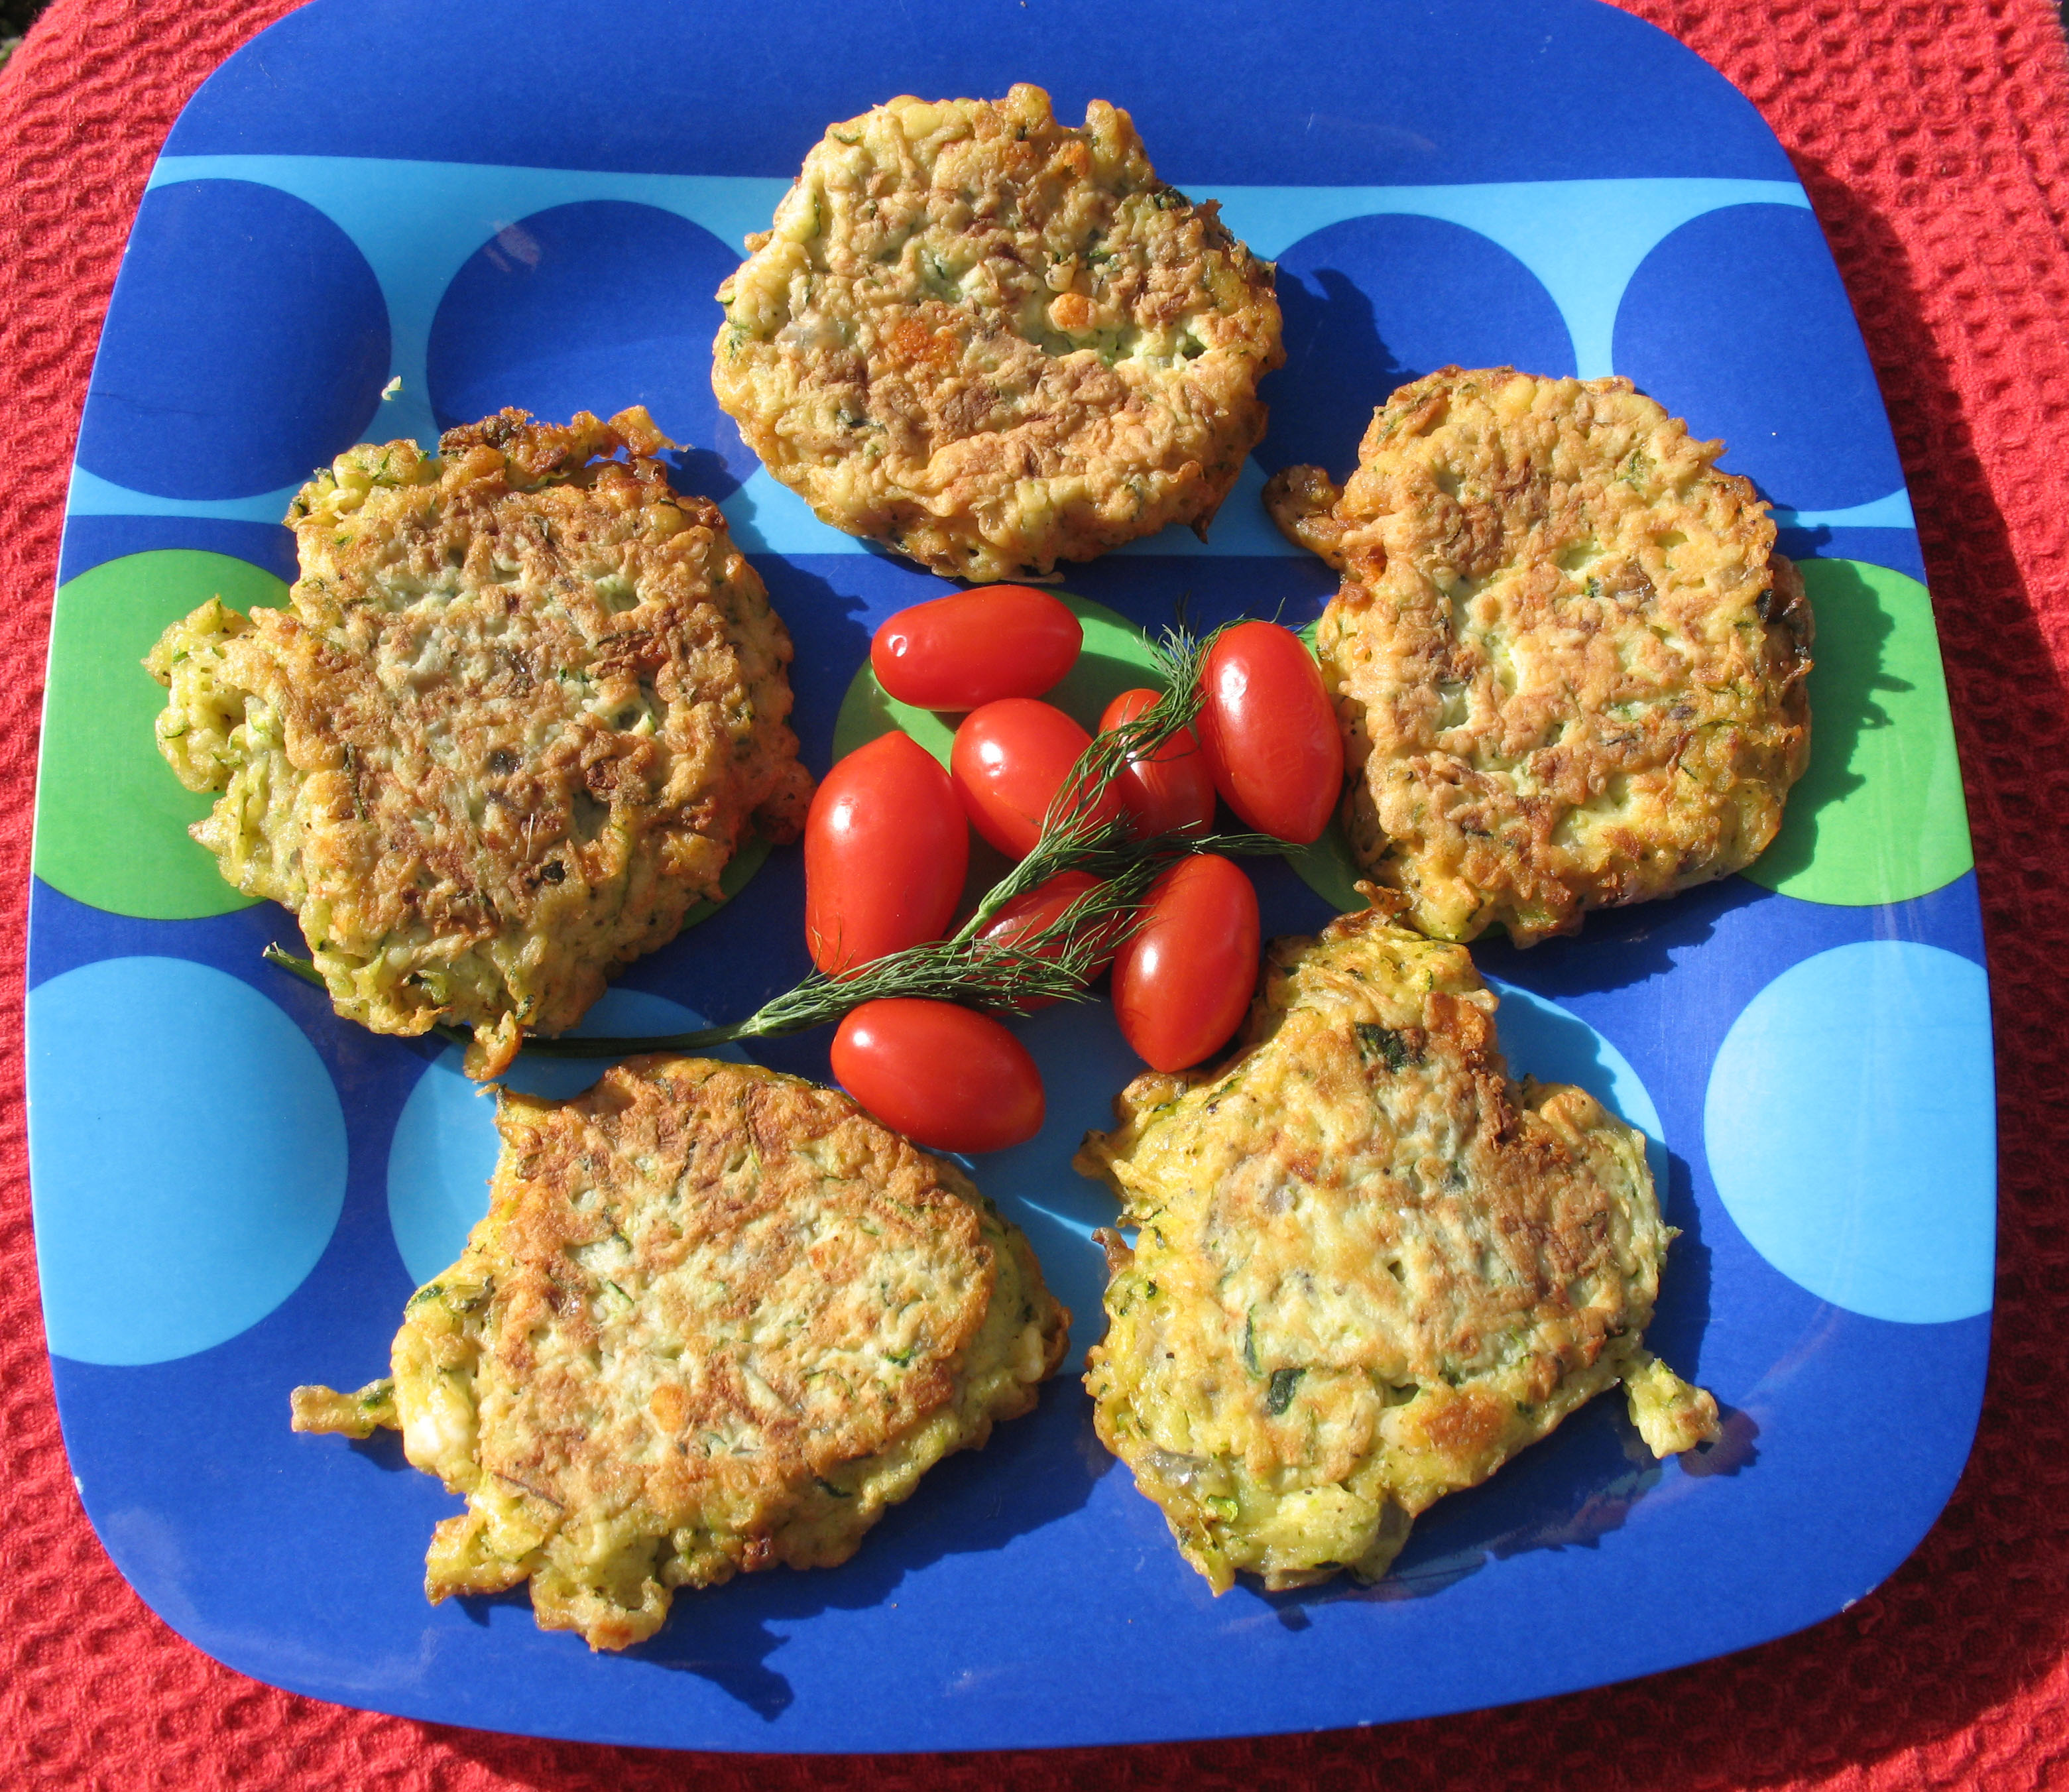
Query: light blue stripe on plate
<point>417,223</point>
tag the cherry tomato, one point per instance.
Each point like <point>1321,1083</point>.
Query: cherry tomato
<point>942,1075</point>
<point>1270,732</point>
<point>1182,980</point>
<point>886,850</point>
<point>1010,759</point>
<point>1173,792</point>
<point>1042,907</point>
<point>972,648</point>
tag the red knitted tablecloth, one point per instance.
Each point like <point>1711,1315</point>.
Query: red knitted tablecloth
<point>1933,137</point>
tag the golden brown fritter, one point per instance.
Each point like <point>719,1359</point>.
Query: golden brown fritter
<point>523,703</point>
<point>716,1319</point>
<point>995,341</point>
<point>1570,665</point>
<point>1369,1268</point>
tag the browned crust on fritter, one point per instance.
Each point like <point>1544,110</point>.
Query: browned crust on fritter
<point>995,341</point>
<point>716,1320</point>
<point>531,698</point>
<point>1370,1267</point>
<point>778,1178</point>
<point>1570,667</point>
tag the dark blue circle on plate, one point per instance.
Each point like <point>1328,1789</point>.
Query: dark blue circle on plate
<point>1738,322</point>
<point>593,306</point>
<point>248,343</point>
<point>1373,303</point>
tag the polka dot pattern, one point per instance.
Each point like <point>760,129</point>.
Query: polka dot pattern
<point>547,332</point>
<point>1732,323</point>
<point>1373,303</point>
<point>111,820</point>
<point>189,1161</point>
<point>250,345</point>
<point>593,306</point>
<point>1850,1126</point>
<point>1879,817</point>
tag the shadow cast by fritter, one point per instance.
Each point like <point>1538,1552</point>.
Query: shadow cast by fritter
<point>383,1449</point>
<point>1033,1471</point>
<point>1852,633</point>
<point>1617,947</point>
<point>1682,1317</point>
<point>1568,1491</point>
<point>1338,368</point>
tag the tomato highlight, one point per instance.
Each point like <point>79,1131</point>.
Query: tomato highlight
<point>1010,759</point>
<point>945,1076</point>
<point>1173,791</point>
<point>886,851</point>
<point>974,648</point>
<point>1182,981</point>
<point>1270,732</point>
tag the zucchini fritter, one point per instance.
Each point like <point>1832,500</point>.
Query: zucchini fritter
<point>523,703</point>
<point>1569,666</point>
<point>995,341</point>
<point>716,1319</point>
<point>1369,1268</point>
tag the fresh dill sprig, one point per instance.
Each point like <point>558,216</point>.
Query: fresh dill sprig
<point>1057,964</point>
<point>1073,837</point>
<point>294,967</point>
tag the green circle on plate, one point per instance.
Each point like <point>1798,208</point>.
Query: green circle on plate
<point>111,819</point>
<point>1880,816</point>
<point>1116,658</point>
<point>1327,869</point>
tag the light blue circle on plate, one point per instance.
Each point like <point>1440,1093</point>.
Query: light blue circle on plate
<point>188,1160</point>
<point>444,1148</point>
<point>1540,1038</point>
<point>1850,1124</point>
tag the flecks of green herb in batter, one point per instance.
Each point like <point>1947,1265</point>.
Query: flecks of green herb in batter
<point>1383,1044</point>
<point>1279,1395</point>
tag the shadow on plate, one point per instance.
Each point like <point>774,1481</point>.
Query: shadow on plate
<point>383,1449</point>
<point>1329,328</point>
<point>1617,947</point>
<point>1681,1318</point>
<point>1852,632</point>
<point>1033,1471</point>
<point>1569,1491</point>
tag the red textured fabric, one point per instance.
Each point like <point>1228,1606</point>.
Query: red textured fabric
<point>1934,138</point>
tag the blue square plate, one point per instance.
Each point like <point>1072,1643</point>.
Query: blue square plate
<point>532,204</point>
